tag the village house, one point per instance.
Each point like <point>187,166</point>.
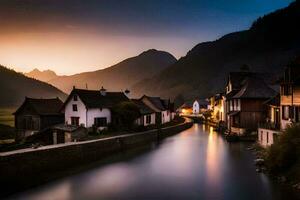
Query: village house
<point>200,105</point>
<point>147,114</point>
<point>91,108</point>
<point>164,109</point>
<point>194,107</point>
<point>290,96</point>
<point>35,115</point>
<point>246,93</point>
<point>269,130</point>
<point>217,105</point>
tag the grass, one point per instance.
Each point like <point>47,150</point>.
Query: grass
<point>7,123</point>
<point>6,116</point>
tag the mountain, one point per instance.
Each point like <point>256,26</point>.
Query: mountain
<point>267,46</point>
<point>15,86</point>
<point>120,76</point>
<point>44,76</point>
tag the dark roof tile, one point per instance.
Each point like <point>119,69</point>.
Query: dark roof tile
<point>43,106</point>
<point>94,99</point>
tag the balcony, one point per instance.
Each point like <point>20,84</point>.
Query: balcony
<point>269,126</point>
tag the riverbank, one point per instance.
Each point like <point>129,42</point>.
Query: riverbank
<point>21,167</point>
<point>194,164</point>
<point>281,160</point>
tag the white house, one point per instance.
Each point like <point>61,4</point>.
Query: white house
<point>147,114</point>
<point>200,105</point>
<point>269,131</point>
<point>91,108</point>
<point>196,107</point>
<point>164,108</point>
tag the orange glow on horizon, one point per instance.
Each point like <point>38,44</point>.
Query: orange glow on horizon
<point>70,53</point>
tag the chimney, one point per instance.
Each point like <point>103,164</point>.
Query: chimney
<point>102,91</point>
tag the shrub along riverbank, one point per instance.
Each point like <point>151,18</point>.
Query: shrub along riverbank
<point>282,159</point>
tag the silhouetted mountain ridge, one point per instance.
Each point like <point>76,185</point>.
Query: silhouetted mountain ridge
<point>45,75</point>
<point>270,43</point>
<point>120,76</point>
<point>15,86</point>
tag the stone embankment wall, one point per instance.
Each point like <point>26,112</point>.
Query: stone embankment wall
<point>28,164</point>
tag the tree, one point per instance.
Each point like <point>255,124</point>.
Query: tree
<point>125,114</point>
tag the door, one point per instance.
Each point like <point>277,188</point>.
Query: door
<point>60,137</point>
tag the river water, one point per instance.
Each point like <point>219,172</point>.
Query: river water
<point>194,164</point>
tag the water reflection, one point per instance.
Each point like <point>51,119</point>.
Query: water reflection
<point>212,158</point>
<point>195,164</point>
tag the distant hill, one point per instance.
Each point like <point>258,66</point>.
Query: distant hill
<point>44,76</point>
<point>15,86</point>
<point>271,42</point>
<point>120,76</point>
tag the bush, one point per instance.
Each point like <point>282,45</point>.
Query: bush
<point>125,115</point>
<point>285,152</point>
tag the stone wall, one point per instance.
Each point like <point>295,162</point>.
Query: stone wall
<point>31,164</point>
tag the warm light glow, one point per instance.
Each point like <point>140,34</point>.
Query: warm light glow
<point>69,53</point>
<point>212,157</point>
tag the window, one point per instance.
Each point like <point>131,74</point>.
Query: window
<point>100,121</point>
<point>75,107</point>
<point>267,137</point>
<point>75,98</point>
<point>148,119</point>
<point>75,121</point>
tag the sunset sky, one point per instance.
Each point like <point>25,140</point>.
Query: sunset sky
<point>72,36</point>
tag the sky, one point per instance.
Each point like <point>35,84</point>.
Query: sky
<point>73,36</point>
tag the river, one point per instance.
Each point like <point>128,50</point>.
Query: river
<point>194,164</point>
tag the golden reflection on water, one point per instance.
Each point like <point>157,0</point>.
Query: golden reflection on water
<point>213,157</point>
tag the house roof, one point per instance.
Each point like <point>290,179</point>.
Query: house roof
<point>144,109</point>
<point>66,127</point>
<point>94,99</point>
<point>236,78</point>
<point>43,106</point>
<point>273,101</point>
<point>231,94</point>
<point>157,102</point>
<point>254,87</point>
